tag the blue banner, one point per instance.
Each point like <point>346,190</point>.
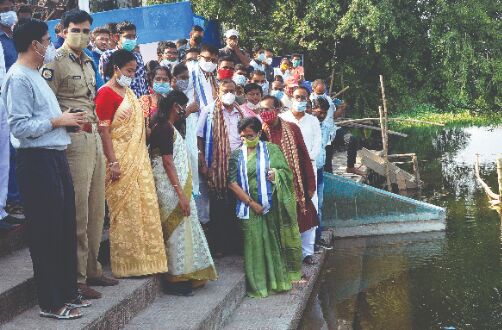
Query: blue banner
<point>153,23</point>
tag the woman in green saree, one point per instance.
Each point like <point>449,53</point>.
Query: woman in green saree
<point>262,182</point>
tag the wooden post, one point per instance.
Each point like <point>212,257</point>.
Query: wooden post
<point>416,170</point>
<point>499,173</point>
<point>385,147</point>
<point>384,123</point>
<point>332,82</point>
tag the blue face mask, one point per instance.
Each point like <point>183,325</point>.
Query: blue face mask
<point>300,106</point>
<point>261,57</point>
<point>277,94</point>
<point>129,44</point>
<point>161,87</point>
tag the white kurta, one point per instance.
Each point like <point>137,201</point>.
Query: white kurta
<point>311,132</point>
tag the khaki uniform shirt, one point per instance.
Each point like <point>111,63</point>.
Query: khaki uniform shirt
<point>73,80</point>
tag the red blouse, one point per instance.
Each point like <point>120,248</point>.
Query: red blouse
<point>107,103</point>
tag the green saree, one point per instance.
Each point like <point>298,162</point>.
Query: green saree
<point>272,243</point>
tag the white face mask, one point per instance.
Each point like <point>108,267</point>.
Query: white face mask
<point>207,66</point>
<point>169,64</point>
<point>253,106</point>
<point>124,80</point>
<point>8,18</point>
<point>50,53</point>
<point>228,98</point>
<point>268,61</point>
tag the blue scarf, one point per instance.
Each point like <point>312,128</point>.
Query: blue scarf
<point>264,185</point>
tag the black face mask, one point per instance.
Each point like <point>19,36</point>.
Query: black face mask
<point>197,39</point>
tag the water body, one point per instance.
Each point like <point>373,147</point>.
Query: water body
<point>446,280</point>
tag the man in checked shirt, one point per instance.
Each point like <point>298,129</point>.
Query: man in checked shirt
<point>128,40</point>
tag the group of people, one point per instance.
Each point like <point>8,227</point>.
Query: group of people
<point>198,154</point>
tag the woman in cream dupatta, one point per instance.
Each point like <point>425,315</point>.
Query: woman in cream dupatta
<point>190,262</point>
<point>136,242</point>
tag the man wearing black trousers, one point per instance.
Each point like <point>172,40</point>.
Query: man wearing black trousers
<point>36,121</point>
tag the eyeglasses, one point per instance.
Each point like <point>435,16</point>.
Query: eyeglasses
<point>209,59</point>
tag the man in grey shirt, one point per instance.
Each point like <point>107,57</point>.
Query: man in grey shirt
<point>36,121</point>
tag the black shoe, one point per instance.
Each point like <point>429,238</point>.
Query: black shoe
<point>4,226</point>
<point>323,244</point>
<point>14,220</point>
<point>183,289</point>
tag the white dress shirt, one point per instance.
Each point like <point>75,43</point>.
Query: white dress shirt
<point>311,131</point>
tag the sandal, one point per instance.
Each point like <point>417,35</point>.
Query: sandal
<point>63,314</point>
<point>79,302</point>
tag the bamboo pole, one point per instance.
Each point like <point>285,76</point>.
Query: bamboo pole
<point>385,147</point>
<point>374,128</point>
<point>340,92</point>
<point>385,136</point>
<point>391,119</point>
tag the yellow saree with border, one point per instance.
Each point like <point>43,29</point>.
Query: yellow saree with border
<point>136,242</point>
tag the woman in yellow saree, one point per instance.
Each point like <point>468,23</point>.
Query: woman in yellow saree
<point>136,243</point>
<point>190,262</point>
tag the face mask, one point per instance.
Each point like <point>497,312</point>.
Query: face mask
<point>240,99</point>
<point>252,106</point>
<point>98,51</point>
<point>264,88</point>
<point>169,63</point>
<point>50,53</point>
<point>269,116</point>
<point>77,41</point>
<point>161,87</point>
<point>225,74</point>
<point>277,94</point>
<point>207,66</point>
<point>8,19</point>
<point>284,67</point>
<point>124,80</point>
<point>197,39</point>
<point>182,84</point>
<point>129,44</point>
<point>239,79</point>
<point>228,98</point>
<point>300,106</point>
<point>296,63</point>
<point>268,61</point>
<point>261,57</point>
<point>251,143</point>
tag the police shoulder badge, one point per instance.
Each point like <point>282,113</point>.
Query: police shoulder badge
<point>47,74</point>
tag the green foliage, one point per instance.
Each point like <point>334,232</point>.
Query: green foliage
<point>441,52</point>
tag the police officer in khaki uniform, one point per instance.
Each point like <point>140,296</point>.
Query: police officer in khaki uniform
<point>72,78</point>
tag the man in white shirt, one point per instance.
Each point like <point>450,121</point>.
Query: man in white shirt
<point>311,131</point>
<point>202,76</point>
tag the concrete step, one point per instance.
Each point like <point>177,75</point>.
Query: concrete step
<point>280,311</point>
<point>17,288</point>
<point>118,305</point>
<point>13,240</point>
<point>209,308</point>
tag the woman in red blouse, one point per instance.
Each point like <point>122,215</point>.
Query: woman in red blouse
<point>136,241</point>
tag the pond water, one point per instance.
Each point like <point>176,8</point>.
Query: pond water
<point>445,280</point>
